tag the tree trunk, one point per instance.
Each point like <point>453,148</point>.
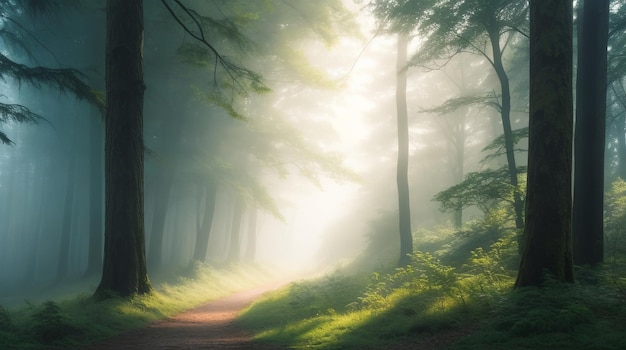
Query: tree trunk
<point>96,199</point>
<point>251,244</point>
<point>547,236</point>
<point>161,204</point>
<point>404,209</point>
<point>589,142</point>
<point>204,232</point>
<point>459,168</point>
<point>505,115</point>
<point>124,269</point>
<point>235,232</point>
<point>68,209</point>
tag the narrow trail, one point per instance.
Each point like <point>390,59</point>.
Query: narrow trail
<point>210,326</point>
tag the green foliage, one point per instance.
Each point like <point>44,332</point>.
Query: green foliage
<point>74,323</point>
<point>497,148</point>
<point>50,324</point>
<point>5,319</point>
<point>486,189</point>
<point>14,36</point>
<point>494,267</point>
<point>424,273</point>
<point>453,104</point>
<point>615,221</point>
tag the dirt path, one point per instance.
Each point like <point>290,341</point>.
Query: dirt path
<point>207,327</point>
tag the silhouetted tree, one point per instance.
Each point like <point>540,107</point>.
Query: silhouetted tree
<point>589,142</point>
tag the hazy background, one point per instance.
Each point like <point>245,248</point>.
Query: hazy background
<point>314,159</point>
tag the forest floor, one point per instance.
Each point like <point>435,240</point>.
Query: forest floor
<point>210,326</point>
<point>213,326</point>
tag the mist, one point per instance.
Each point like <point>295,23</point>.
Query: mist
<point>301,177</point>
<point>296,171</point>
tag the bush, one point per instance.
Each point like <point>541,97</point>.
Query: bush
<point>5,320</point>
<point>49,324</point>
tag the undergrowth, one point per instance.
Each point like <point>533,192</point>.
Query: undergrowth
<point>429,304</point>
<point>80,320</point>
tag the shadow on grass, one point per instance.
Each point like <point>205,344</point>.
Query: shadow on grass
<point>310,315</point>
<point>319,315</point>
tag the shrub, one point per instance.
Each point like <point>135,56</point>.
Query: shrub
<point>49,324</point>
<point>5,319</point>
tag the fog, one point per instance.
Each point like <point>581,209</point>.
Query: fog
<point>304,173</point>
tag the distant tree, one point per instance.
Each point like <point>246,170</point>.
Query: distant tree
<point>483,27</point>
<point>234,243</point>
<point>547,234</point>
<point>203,232</point>
<point>404,209</point>
<point>589,142</point>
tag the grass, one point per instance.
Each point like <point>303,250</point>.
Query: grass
<point>81,320</point>
<point>332,312</point>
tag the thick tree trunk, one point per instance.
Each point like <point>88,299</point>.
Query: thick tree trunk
<point>547,236</point>
<point>505,116</point>
<point>589,143</point>
<point>204,231</point>
<point>124,269</point>
<point>404,209</point>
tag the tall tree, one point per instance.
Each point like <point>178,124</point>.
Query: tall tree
<point>404,209</point>
<point>547,235</point>
<point>483,27</point>
<point>589,142</point>
<point>124,268</point>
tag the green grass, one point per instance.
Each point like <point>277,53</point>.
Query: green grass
<point>80,320</point>
<point>330,313</point>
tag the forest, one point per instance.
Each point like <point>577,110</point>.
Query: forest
<point>328,174</point>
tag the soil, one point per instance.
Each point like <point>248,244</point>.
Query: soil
<point>210,326</point>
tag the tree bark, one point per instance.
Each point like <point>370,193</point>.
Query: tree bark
<point>547,235</point>
<point>404,209</point>
<point>124,268</point>
<point>589,142</point>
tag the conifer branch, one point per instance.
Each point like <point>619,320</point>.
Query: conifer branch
<point>234,71</point>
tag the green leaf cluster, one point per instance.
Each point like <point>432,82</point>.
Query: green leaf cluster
<point>486,189</point>
<point>423,273</point>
